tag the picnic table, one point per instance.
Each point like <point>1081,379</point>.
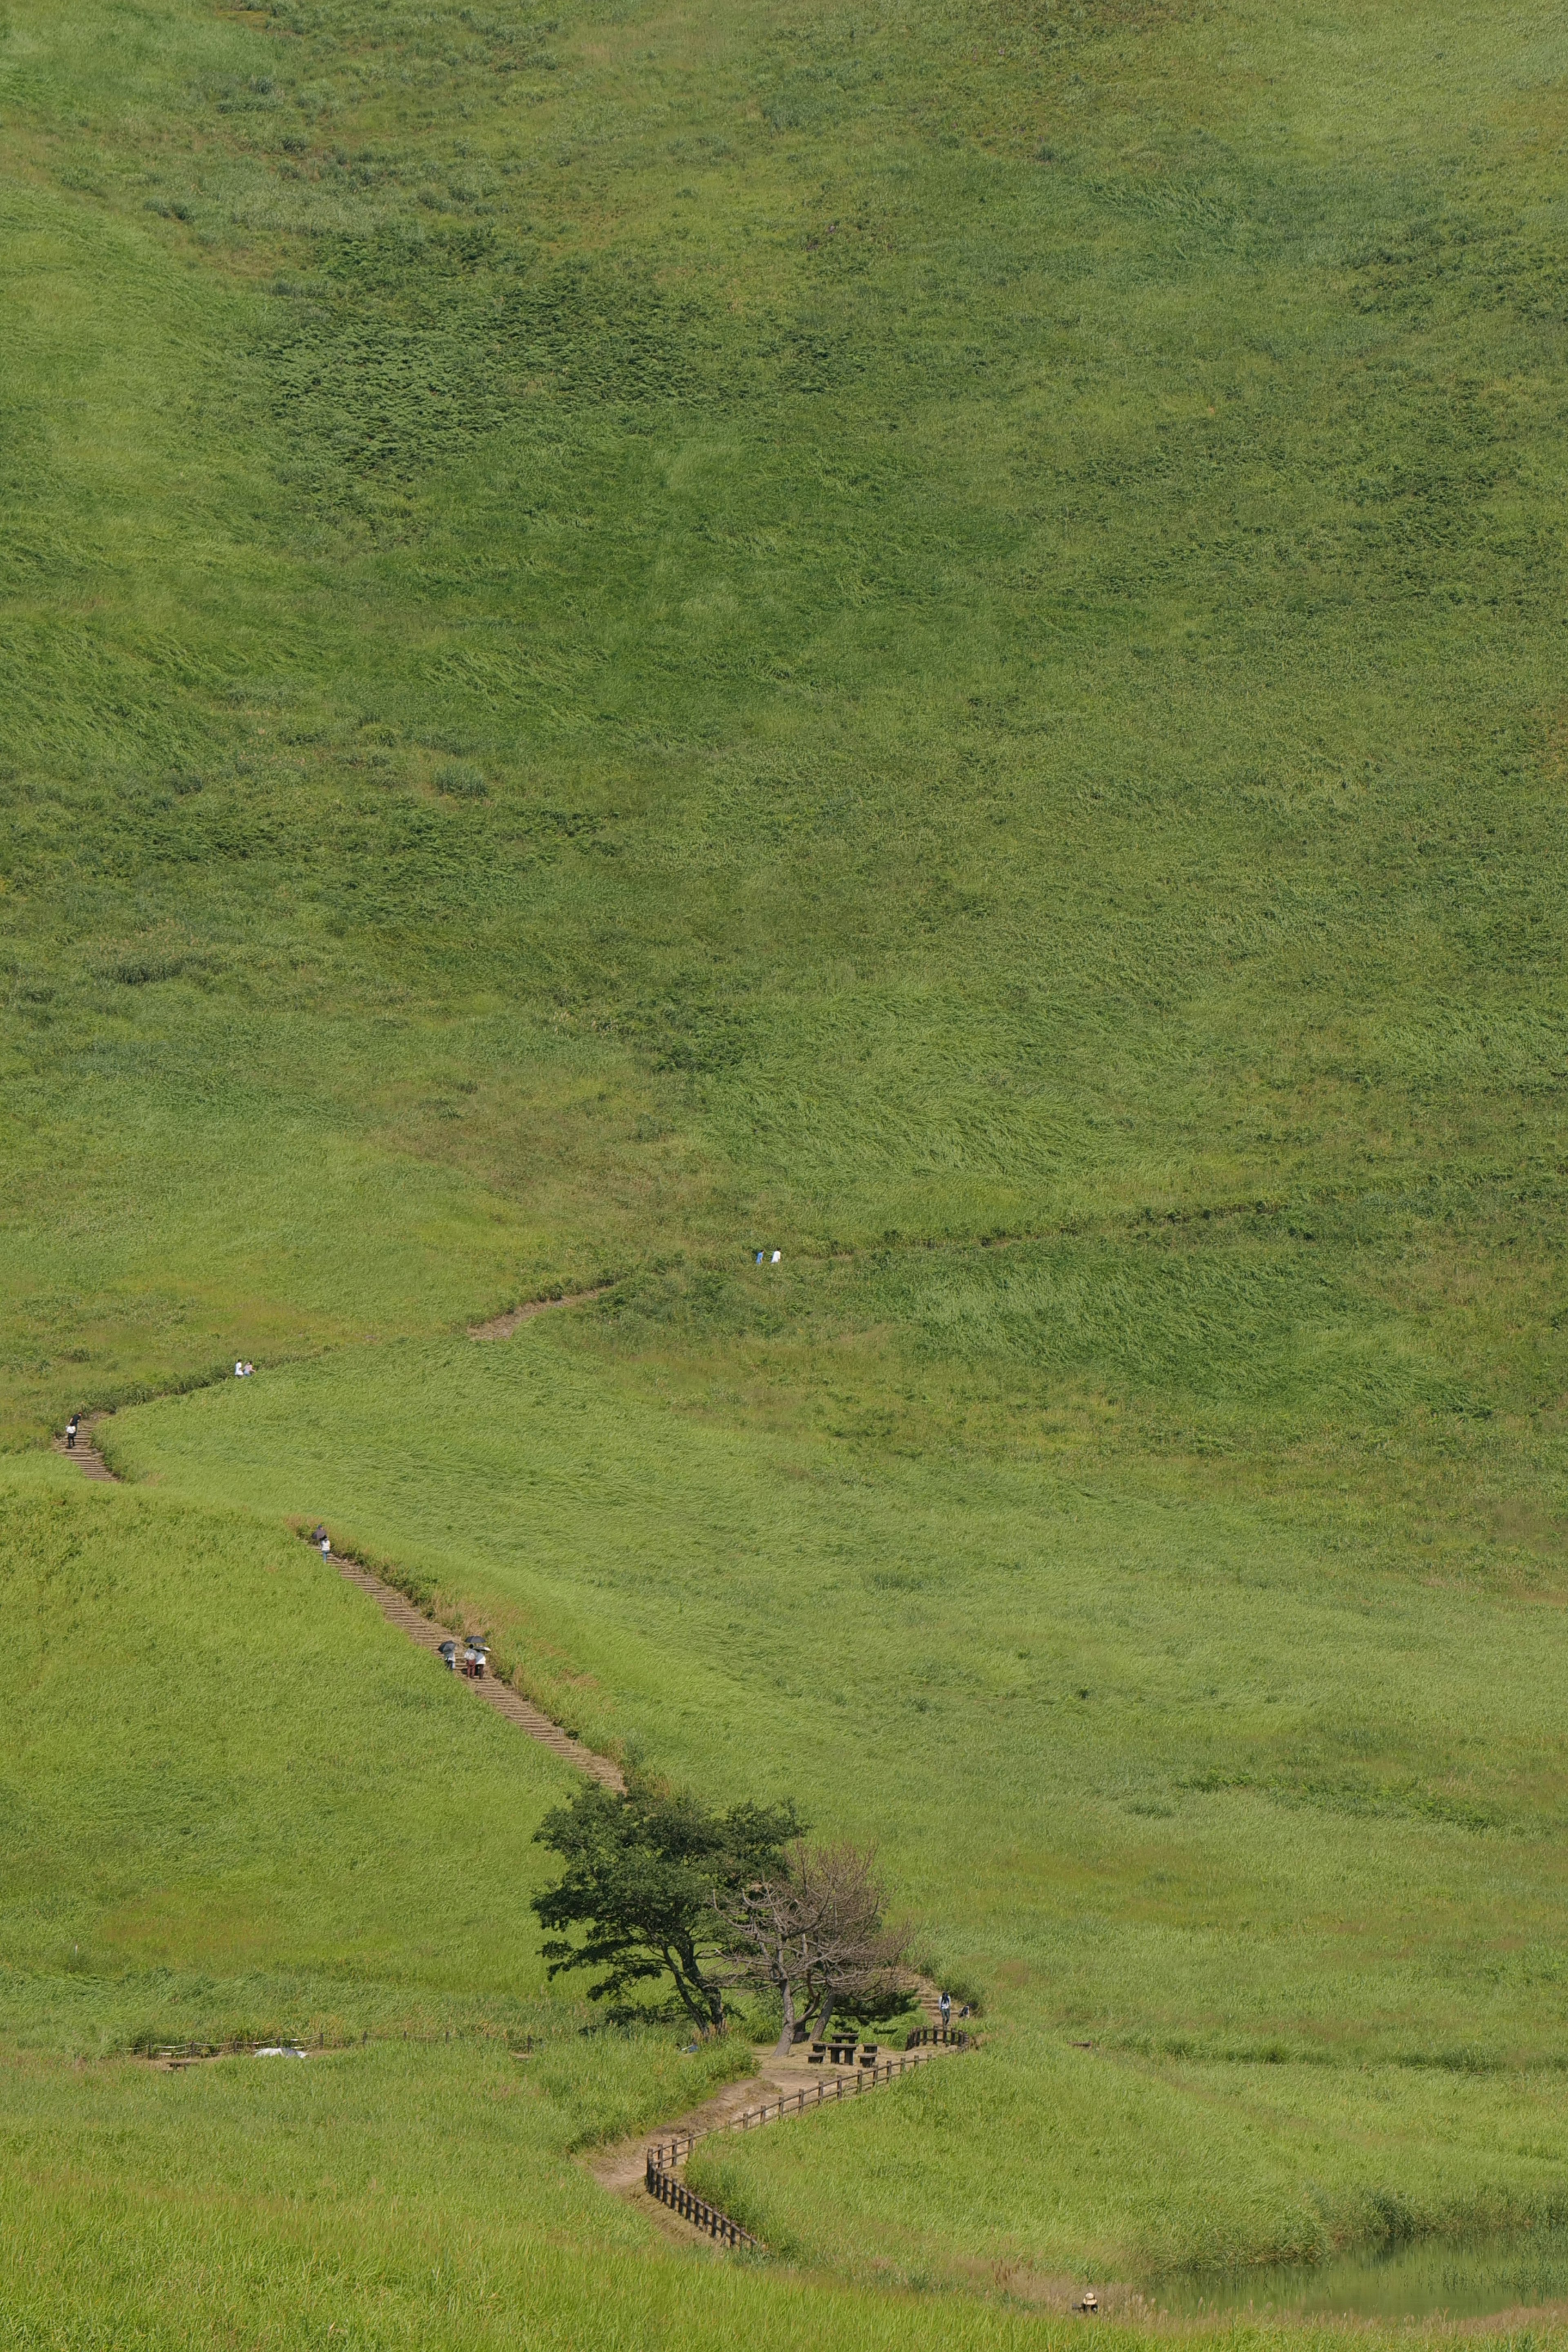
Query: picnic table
<point>839,2047</point>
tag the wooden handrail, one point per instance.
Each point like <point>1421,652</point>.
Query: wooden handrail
<point>664,2185</point>
<point>663,2155</point>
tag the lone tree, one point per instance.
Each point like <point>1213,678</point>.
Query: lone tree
<point>815,1932</point>
<point>644,1878</point>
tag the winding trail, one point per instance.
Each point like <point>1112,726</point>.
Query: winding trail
<point>501,1326</point>
<point>620,2169</point>
<point>425,1633</point>
<point>399,1610</point>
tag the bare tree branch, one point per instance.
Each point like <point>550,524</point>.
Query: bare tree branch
<point>814,1933</point>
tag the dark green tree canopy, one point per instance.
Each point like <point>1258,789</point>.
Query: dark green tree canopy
<point>641,1874</point>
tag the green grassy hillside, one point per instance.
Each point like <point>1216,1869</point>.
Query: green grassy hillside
<point>931,639</point>
<point>630,637</point>
<point>236,1802</point>
<point>1268,1817</point>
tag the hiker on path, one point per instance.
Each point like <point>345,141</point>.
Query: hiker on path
<point>946,2010</point>
<point>71,1427</point>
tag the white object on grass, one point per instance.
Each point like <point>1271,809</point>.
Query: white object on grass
<point>777,1254</point>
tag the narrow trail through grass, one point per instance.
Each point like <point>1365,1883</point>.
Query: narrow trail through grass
<point>421,1626</point>
<point>628,635</point>
<point>620,2168</point>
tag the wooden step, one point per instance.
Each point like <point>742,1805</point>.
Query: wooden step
<point>400,1611</point>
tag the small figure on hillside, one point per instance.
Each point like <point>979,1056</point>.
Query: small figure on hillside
<point>238,1370</point>
<point>72,1425</point>
<point>777,1254</point>
<point>321,1538</point>
<point>946,2010</point>
<point>248,1369</point>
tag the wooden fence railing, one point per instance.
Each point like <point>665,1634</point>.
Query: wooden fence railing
<point>829,2092</point>
<point>663,2155</point>
<point>674,2192</point>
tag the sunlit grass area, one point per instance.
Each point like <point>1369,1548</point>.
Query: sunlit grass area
<point>930,640</point>
<point>1181,1780</point>
<point>832,627</point>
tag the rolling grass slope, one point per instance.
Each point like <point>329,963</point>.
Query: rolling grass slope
<point>931,637</point>
<point>1256,1807</point>
<point>236,1802</point>
<point>765,623</point>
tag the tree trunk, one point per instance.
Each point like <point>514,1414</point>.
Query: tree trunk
<point>786,2042</point>
<point>695,2010</point>
<point>702,2000</point>
<point>824,2018</point>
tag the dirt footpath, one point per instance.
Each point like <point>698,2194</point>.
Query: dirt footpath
<point>401,1612</point>
<point>621,2168</point>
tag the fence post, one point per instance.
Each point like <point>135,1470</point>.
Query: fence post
<point>660,2177</point>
